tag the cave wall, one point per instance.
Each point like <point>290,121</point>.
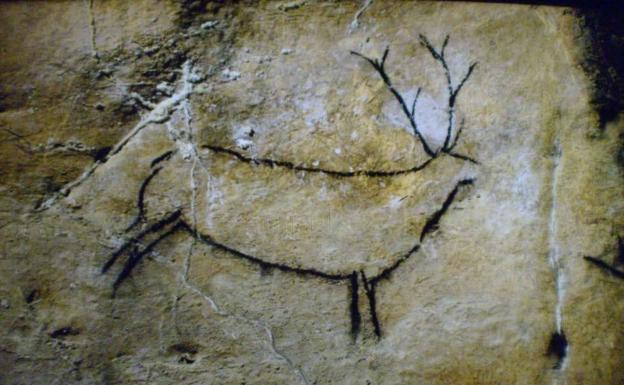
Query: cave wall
<point>309,192</point>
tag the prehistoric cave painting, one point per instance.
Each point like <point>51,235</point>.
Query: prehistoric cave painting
<point>181,220</point>
<point>452,135</point>
<point>558,343</point>
<point>617,267</point>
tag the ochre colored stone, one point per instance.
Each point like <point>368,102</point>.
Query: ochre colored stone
<point>292,228</point>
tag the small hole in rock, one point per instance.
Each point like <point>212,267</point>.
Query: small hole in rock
<point>32,296</point>
<point>64,331</point>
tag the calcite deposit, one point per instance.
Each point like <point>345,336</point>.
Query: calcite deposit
<point>309,192</point>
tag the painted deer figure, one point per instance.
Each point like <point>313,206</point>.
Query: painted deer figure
<point>332,222</point>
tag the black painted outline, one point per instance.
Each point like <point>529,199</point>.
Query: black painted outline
<point>611,269</point>
<point>140,217</point>
<point>292,166</point>
<point>447,148</point>
<point>453,93</point>
<point>173,223</point>
<point>604,266</point>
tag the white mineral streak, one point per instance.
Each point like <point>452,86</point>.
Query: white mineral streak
<point>92,29</point>
<point>182,135</point>
<point>180,130</point>
<point>554,254</point>
<point>355,23</point>
<point>160,113</point>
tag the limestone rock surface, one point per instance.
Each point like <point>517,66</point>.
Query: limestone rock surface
<point>306,192</point>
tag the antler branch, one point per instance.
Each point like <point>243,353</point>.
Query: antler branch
<point>379,66</point>
<point>414,102</point>
<point>449,142</point>
<point>452,136</point>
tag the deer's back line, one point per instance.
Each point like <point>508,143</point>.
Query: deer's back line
<point>295,167</point>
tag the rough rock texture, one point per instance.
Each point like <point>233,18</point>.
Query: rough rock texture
<point>264,210</point>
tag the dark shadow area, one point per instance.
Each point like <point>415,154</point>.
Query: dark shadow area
<point>602,28</point>
<point>557,347</point>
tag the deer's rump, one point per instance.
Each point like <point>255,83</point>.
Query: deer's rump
<point>311,220</point>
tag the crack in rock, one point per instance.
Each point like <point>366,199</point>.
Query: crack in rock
<point>183,277</point>
<point>92,29</point>
<point>356,19</point>
<point>558,346</point>
<point>160,113</point>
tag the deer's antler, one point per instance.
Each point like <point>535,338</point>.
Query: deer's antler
<point>452,136</point>
<point>379,66</point>
<point>453,92</point>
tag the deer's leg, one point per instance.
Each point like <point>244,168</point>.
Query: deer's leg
<point>369,289</point>
<point>370,284</point>
<point>354,308</point>
<point>133,247</point>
